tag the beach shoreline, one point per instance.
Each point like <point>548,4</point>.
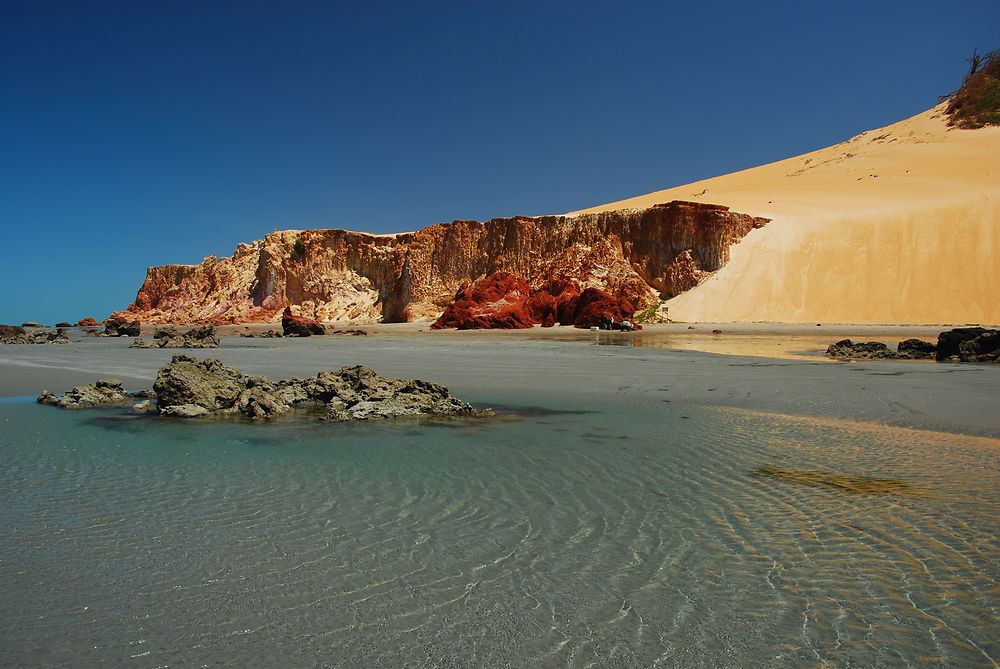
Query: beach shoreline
<point>772,368</point>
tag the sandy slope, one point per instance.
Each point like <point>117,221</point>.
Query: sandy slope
<point>896,225</point>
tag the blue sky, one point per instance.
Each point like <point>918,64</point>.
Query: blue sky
<point>144,133</point>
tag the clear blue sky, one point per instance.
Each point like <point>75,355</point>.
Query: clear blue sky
<point>140,133</point>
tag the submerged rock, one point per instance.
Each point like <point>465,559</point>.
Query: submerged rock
<point>170,337</point>
<point>106,392</point>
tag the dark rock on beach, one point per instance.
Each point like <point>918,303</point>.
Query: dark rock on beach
<point>13,334</point>
<point>267,334</point>
<point>915,349</point>
<point>114,327</point>
<point>299,326</point>
<point>969,345</point>
<point>862,350</point>
<point>171,337</point>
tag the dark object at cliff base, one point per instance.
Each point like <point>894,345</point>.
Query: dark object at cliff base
<point>64,324</point>
<point>854,485</point>
<point>969,345</point>
<point>13,334</point>
<point>503,301</point>
<point>170,337</point>
<point>299,326</point>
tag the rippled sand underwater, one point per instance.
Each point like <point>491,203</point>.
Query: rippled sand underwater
<point>609,534</point>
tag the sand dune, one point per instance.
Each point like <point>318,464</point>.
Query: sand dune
<point>896,225</point>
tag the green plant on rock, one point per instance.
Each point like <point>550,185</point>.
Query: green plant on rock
<point>298,249</point>
<point>651,315</point>
<point>977,102</point>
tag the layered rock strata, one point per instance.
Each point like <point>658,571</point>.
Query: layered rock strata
<point>643,255</point>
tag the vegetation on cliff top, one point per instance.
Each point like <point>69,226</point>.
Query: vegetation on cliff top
<point>977,102</point>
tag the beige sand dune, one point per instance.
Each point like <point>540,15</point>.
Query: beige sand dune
<point>896,225</point>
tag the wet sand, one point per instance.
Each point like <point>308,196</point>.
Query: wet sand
<point>774,368</point>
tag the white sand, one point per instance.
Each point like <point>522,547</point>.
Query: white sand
<point>897,225</point>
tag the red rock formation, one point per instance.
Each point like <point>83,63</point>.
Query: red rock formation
<point>642,254</point>
<point>87,322</point>
<point>299,326</point>
<point>496,302</point>
<point>594,308</point>
<point>504,301</point>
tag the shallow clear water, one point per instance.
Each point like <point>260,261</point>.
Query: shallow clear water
<point>602,534</point>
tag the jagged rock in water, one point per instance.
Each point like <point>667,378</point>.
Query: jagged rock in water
<point>13,334</point>
<point>188,387</point>
<point>106,392</point>
<point>170,337</point>
<point>206,383</point>
<point>845,348</point>
<point>643,255</point>
<point>969,345</point>
<point>915,349</point>
<point>64,324</point>
<point>299,326</point>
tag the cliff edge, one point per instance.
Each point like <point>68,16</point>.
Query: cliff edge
<point>643,254</point>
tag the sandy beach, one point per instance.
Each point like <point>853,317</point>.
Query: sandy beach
<point>895,225</point>
<point>772,368</point>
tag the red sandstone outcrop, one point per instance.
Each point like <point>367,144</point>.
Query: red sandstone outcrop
<point>643,255</point>
<point>86,322</point>
<point>503,301</point>
<point>299,326</point>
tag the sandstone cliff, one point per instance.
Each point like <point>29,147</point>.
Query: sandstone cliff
<point>642,254</point>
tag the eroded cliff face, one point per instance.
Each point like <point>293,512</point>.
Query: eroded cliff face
<point>644,255</point>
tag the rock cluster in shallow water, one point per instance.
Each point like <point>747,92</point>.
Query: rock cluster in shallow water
<point>103,393</point>
<point>190,387</point>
